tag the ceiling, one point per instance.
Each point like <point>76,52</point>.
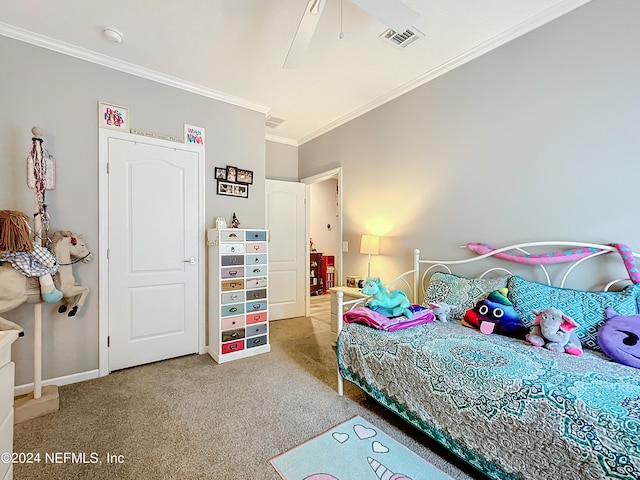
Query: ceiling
<point>234,49</point>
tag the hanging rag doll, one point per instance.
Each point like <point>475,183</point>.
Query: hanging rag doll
<point>29,258</point>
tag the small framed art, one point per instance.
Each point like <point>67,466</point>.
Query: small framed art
<point>233,189</point>
<point>244,176</point>
<point>232,173</point>
<point>221,173</point>
<point>112,116</point>
<point>193,134</point>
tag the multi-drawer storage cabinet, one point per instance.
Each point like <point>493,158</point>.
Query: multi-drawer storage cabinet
<point>238,293</point>
<point>7,369</point>
<point>316,279</point>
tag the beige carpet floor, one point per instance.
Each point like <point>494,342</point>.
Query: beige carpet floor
<point>190,418</point>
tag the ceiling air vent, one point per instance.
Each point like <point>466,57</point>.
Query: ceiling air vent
<point>401,40</point>
<point>273,122</point>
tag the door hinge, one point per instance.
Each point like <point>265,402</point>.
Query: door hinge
<point>107,254</point>
<point>109,341</point>
<point>108,163</point>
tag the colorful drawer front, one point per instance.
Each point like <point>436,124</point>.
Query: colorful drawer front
<point>256,294</point>
<point>231,248</point>
<point>231,310</point>
<point>231,347</point>
<point>256,306</point>
<point>254,330</point>
<point>256,236</point>
<point>231,236</point>
<point>256,341</point>
<point>230,323</point>
<point>232,335</point>
<point>256,271</point>
<point>259,259</point>
<point>256,282</point>
<point>232,272</point>
<point>259,247</point>
<point>231,260</point>
<point>232,297</point>
<point>228,285</point>
<point>258,317</point>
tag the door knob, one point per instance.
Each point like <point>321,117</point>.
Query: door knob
<point>191,261</point>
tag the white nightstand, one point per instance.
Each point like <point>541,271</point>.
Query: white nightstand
<point>7,369</point>
<point>349,293</point>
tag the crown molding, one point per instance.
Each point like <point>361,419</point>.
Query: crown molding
<point>115,64</point>
<point>274,138</point>
<point>484,47</point>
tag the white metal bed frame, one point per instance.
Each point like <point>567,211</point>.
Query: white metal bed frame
<point>417,283</point>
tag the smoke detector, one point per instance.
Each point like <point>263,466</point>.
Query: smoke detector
<point>113,35</point>
<point>401,40</point>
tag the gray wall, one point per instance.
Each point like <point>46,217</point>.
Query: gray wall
<point>536,140</point>
<point>61,94</point>
<point>282,161</point>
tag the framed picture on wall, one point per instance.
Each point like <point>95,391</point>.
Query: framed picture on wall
<point>232,173</point>
<point>115,117</point>
<point>193,134</point>
<point>232,189</point>
<point>244,176</point>
<point>221,173</point>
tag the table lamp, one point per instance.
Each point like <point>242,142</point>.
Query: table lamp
<point>369,245</point>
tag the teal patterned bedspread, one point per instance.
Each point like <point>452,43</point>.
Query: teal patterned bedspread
<point>512,410</point>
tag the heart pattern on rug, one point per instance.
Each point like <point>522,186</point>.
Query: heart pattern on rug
<point>363,432</point>
<point>379,448</point>
<point>340,437</point>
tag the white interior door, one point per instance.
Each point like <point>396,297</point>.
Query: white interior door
<point>153,242</point>
<point>287,249</point>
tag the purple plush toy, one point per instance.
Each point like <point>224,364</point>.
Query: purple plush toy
<point>618,338</point>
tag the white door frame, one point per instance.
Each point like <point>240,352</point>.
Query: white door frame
<point>103,237</point>
<point>321,177</point>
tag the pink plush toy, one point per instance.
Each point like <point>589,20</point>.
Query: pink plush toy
<point>555,331</point>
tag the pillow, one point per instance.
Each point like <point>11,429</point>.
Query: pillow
<point>586,308</point>
<point>460,292</point>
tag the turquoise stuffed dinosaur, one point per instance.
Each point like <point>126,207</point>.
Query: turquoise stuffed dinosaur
<point>395,302</point>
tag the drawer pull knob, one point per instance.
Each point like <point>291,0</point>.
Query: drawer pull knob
<point>256,307</point>
<point>234,309</point>
<point>256,247</point>
<point>256,270</point>
<point>233,235</point>
<point>256,341</point>
<point>235,272</point>
<point>233,347</point>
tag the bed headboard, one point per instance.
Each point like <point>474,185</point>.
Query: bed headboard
<point>554,261</point>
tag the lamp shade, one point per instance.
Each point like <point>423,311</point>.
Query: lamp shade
<point>369,244</point>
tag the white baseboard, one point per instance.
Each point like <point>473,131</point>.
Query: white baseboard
<point>66,380</point>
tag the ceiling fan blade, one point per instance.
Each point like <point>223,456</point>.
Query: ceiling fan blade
<point>302,38</point>
<point>392,13</point>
